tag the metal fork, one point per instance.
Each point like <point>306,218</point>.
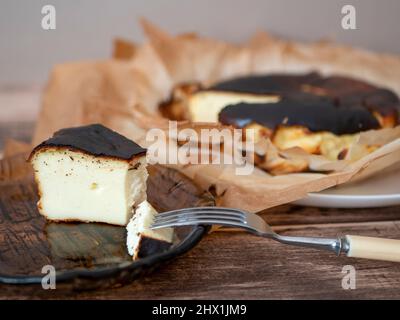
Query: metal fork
<point>352,246</point>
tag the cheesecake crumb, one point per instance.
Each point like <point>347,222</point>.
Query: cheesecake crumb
<point>94,186</point>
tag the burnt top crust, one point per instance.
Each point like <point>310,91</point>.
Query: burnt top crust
<point>337,104</point>
<point>149,246</point>
<point>314,114</point>
<point>95,140</point>
<point>347,93</point>
<point>266,84</point>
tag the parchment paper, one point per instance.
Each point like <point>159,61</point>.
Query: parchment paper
<point>123,93</point>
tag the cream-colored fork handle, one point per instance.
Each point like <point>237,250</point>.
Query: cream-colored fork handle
<point>373,248</point>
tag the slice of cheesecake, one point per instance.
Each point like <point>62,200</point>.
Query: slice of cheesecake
<point>143,241</point>
<point>89,174</point>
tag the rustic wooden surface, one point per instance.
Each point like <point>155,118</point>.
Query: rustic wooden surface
<point>234,265</point>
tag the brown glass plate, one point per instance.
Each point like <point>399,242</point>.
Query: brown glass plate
<point>85,255</point>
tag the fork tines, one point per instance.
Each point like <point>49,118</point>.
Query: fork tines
<point>200,215</point>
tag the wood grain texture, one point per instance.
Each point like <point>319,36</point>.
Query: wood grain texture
<point>235,265</point>
<point>238,266</point>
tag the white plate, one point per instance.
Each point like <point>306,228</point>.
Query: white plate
<point>378,191</point>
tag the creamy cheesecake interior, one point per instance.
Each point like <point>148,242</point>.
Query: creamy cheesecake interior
<point>204,106</point>
<point>326,143</point>
<point>79,187</point>
<point>143,241</point>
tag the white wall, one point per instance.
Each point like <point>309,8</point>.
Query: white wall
<point>85,28</point>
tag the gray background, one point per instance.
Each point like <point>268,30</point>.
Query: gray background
<point>85,28</point>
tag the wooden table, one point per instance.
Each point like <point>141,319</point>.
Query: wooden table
<point>235,265</point>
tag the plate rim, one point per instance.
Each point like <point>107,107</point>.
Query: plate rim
<point>349,196</point>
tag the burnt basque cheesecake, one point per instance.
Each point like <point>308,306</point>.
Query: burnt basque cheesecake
<point>322,115</point>
<point>90,174</point>
<point>94,174</point>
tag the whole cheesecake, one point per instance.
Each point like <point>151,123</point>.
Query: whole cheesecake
<point>341,92</point>
<point>322,115</point>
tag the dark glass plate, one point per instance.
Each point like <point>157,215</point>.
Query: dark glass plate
<point>85,255</point>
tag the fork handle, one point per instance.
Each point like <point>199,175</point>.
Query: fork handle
<point>352,246</point>
<point>372,248</point>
